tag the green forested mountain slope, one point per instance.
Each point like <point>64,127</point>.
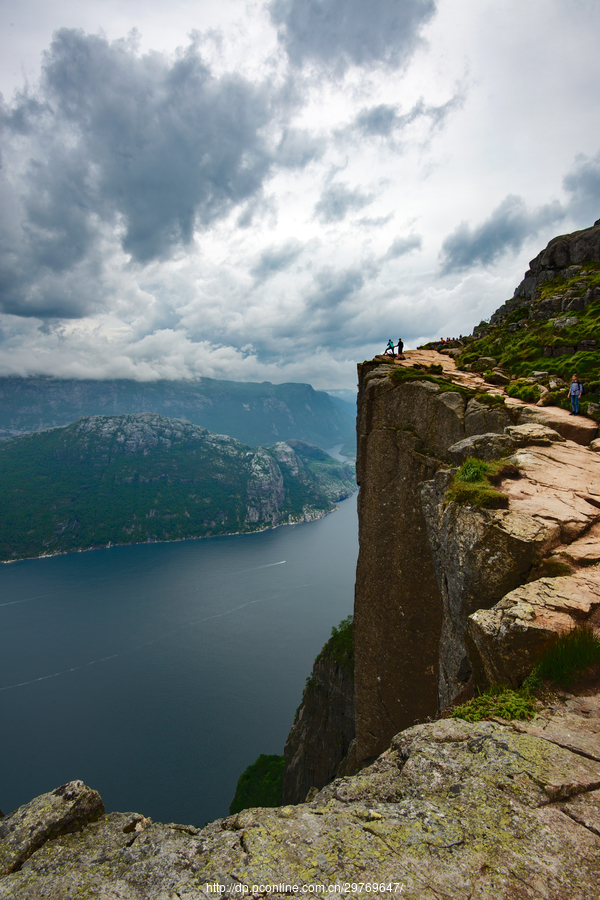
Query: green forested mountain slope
<point>128,479</point>
<point>257,414</point>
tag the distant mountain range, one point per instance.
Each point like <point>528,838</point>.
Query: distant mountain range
<point>256,414</point>
<point>134,478</point>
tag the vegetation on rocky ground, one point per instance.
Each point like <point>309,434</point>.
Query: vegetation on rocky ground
<point>567,659</point>
<point>260,784</point>
<point>529,348</point>
<point>562,664</point>
<point>475,481</point>
<point>340,646</point>
<point>131,479</point>
<point>500,701</point>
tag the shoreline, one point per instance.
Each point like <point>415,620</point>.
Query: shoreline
<point>7,562</point>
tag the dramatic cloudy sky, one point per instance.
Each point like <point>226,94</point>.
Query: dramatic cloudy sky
<point>268,190</point>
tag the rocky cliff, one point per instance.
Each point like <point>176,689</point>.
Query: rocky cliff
<point>427,565</point>
<point>320,744</point>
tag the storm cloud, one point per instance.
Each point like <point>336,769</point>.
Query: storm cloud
<point>337,200</point>
<point>506,230</point>
<point>339,33</point>
<point>276,259</point>
<point>583,184</point>
<point>158,149</point>
<point>385,120</point>
<point>403,245</point>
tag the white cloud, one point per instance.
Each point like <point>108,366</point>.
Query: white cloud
<point>272,200</point>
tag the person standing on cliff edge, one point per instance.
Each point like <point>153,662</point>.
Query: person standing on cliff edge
<point>575,392</point>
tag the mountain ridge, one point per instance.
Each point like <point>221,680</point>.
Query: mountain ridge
<point>256,414</point>
<point>107,480</point>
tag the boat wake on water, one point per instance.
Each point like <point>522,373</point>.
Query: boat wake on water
<point>142,646</point>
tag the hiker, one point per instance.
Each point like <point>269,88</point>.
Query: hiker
<point>400,348</point>
<point>575,391</point>
<point>389,350</point>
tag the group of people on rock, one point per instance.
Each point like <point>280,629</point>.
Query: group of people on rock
<point>391,348</point>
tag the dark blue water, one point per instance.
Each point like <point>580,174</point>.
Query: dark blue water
<point>156,673</point>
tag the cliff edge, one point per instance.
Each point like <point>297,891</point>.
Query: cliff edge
<point>427,565</point>
<point>451,809</point>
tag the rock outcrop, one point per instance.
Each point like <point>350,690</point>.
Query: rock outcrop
<point>562,253</point>
<point>425,565</point>
<point>451,809</point>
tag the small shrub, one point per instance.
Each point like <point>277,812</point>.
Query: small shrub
<point>529,393</point>
<point>569,657</point>
<point>498,700</point>
<point>472,470</point>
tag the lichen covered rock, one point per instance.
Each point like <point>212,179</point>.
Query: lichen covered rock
<point>452,809</point>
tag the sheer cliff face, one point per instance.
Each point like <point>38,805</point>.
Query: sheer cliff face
<point>404,431</point>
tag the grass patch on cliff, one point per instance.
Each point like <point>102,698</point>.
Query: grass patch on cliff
<point>476,480</point>
<point>567,659</point>
<point>532,347</point>
<point>500,701</point>
<point>261,784</point>
<point>433,375</point>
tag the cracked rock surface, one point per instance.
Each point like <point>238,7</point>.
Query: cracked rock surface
<point>452,809</point>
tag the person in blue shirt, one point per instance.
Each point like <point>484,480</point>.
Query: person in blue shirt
<point>575,392</point>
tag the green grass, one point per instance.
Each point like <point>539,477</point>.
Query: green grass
<point>522,352</point>
<point>568,658</point>
<point>498,700</point>
<point>527,392</point>
<point>340,646</point>
<point>475,481</point>
<point>260,784</point>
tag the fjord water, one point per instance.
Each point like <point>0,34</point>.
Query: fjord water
<point>156,673</point>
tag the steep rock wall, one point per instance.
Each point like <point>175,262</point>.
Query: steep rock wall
<point>404,431</point>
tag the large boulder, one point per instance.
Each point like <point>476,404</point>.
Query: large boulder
<point>66,809</point>
<point>479,555</point>
<point>505,642</point>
